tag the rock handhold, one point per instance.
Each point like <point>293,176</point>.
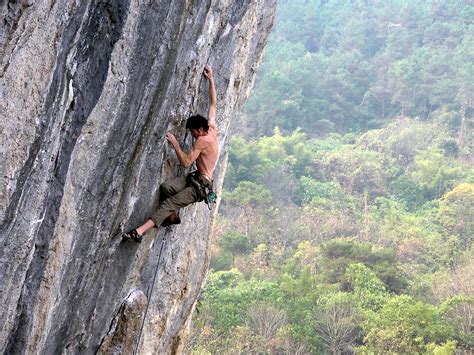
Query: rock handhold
<point>125,329</point>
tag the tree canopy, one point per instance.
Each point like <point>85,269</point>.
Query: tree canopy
<point>346,222</point>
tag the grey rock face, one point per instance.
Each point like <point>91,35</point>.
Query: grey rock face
<point>88,90</point>
<point>126,326</point>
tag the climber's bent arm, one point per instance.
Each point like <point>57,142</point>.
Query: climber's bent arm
<point>186,159</point>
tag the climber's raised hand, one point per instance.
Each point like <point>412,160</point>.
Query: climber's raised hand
<point>211,115</point>
<point>208,72</point>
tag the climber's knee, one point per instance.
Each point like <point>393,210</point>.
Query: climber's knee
<point>167,188</point>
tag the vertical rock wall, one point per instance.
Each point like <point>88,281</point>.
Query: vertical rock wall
<point>88,90</point>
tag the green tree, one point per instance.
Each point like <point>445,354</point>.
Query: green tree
<point>457,214</point>
<point>227,295</point>
<point>235,244</point>
<point>458,310</point>
<point>434,174</point>
<point>245,201</point>
<point>369,291</point>
<point>338,255</point>
<point>405,325</point>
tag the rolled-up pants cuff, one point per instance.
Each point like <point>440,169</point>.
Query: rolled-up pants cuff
<point>183,198</point>
<point>159,216</point>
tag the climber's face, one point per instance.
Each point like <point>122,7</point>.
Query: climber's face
<point>198,132</point>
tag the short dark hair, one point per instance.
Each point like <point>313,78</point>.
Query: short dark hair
<point>196,122</point>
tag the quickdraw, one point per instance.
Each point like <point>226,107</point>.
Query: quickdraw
<point>210,199</point>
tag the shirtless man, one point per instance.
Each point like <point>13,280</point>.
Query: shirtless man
<point>183,191</point>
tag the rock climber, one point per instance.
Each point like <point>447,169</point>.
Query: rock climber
<point>180,192</point>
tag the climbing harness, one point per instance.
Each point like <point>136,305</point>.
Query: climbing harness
<point>203,187</point>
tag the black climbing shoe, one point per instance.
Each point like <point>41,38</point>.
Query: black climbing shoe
<point>173,218</point>
<point>133,235</point>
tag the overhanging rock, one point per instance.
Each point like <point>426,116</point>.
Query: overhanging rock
<point>88,90</point>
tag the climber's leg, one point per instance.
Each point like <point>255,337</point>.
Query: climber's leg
<point>173,218</point>
<point>167,210</point>
<point>171,187</point>
<point>167,189</point>
<point>183,198</point>
<point>137,233</point>
<point>145,227</point>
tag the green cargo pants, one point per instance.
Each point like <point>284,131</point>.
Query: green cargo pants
<point>174,194</point>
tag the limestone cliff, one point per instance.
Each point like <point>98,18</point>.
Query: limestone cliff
<point>88,90</point>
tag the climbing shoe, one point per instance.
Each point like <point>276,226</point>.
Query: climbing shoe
<point>133,235</point>
<point>173,218</point>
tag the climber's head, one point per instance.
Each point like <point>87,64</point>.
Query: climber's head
<point>198,126</point>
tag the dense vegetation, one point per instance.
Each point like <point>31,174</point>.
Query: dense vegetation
<point>349,227</point>
<point>345,65</point>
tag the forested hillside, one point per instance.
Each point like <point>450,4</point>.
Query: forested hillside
<point>340,65</point>
<point>347,217</point>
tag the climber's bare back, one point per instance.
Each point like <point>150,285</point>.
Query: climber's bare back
<point>206,161</point>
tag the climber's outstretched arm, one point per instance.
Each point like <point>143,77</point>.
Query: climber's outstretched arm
<point>211,115</point>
